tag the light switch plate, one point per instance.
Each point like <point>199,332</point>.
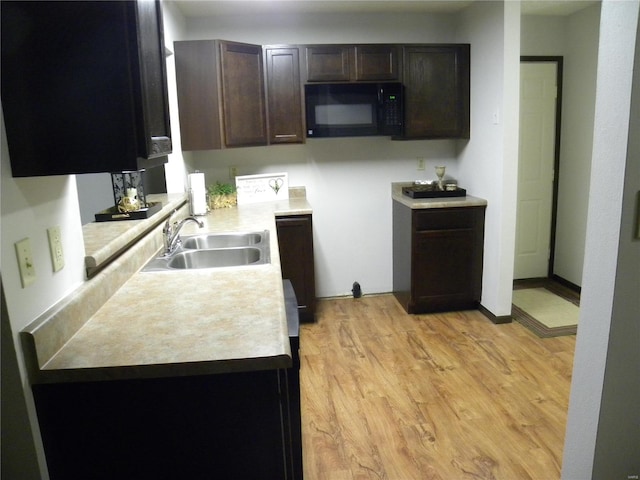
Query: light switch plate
<point>638,215</point>
<point>55,245</point>
<point>25,262</point>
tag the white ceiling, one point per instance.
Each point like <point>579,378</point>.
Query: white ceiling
<point>202,8</point>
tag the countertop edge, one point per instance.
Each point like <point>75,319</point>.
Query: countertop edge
<point>186,369</point>
<point>120,234</point>
<point>424,203</point>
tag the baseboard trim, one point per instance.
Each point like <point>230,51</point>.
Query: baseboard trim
<point>498,320</point>
<point>566,283</point>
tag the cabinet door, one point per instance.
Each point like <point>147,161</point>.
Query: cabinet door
<point>243,100</point>
<point>441,269</point>
<point>295,240</point>
<point>222,426</point>
<point>198,94</point>
<point>84,87</point>
<point>328,63</point>
<point>284,101</point>
<point>153,73</point>
<point>436,95</point>
<point>377,62</point>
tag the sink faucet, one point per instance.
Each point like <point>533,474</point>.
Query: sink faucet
<point>171,233</point>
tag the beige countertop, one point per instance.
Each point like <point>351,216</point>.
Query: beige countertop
<point>104,240</point>
<point>177,322</point>
<point>445,202</point>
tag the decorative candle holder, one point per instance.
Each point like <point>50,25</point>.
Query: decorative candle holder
<point>128,190</point>
<point>440,173</point>
<point>129,198</point>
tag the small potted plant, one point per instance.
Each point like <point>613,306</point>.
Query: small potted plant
<point>222,195</point>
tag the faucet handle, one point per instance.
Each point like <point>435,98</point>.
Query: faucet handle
<point>168,226</point>
<point>167,232</point>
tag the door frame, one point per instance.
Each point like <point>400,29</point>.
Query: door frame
<point>558,60</point>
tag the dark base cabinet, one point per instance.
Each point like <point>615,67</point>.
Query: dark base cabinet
<point>295,240</point>
<point>203,427</point>
<point>437,257</point>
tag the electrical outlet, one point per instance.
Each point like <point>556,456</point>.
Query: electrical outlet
<point>420,163</point>
<point>55,245</point>
<point>233,172</point>
<point>25,262</point>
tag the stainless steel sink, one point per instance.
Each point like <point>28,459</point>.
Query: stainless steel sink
<point>214,258</point>
<point>215,250</point>
<point>223,240</point>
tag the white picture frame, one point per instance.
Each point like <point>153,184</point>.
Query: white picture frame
<point>262,187</point>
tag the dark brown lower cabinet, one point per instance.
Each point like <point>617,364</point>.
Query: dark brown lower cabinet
<point>295,241</point>
<point>437,257</point>
<point>202,427</point>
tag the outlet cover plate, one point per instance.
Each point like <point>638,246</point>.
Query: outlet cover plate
<point>55,246</point>
<point>25,262</point>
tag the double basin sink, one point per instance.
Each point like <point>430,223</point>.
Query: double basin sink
<point>215,250</point>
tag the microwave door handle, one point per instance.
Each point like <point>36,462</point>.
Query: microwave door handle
<point>380,112</point>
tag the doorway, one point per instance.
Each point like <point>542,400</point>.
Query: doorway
<point>538,164</point>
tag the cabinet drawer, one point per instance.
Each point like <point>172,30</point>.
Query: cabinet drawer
<point>444,218</point>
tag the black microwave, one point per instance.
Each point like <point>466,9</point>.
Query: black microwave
<point>353,109</point>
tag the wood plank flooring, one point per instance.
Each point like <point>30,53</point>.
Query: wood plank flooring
<point>387,395</point>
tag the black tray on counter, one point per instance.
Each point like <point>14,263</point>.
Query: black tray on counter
<point>112,214</point>
<point>432,191</point>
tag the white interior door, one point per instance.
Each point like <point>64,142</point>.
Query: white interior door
<point>538,92</point>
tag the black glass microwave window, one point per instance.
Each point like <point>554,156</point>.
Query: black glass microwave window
<point>340,110</point>
<point>340,114</point>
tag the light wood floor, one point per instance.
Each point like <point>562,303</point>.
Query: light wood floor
<point>386,395</point>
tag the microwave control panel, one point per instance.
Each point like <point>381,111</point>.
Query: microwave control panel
<point>391,112</point>
<point>392,109</point>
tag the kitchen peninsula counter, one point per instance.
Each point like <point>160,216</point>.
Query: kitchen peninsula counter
<point>172,323</point>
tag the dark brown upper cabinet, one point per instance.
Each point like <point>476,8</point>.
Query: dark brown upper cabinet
<point>328,63</point>
<point>84,86</point>
<point>284,94</point>
<point>352,63</point>
<point>221,96</point>
<point>377,62</point>
<point>436,91</point>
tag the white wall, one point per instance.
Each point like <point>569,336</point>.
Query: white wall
<point>543,35</point>
<point>578,107</point>
<point>489,160</point>
<point>325,28</point>
<point>175,169</point>
<point>607,340</point>
<point>349,180</point>
<point>618,440</point>
<point>28,207</point>
<point>348,184</point>
<point>576,39</point>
